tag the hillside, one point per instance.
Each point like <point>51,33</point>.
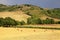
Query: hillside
<point>18,15</point>
<point>22,12</point>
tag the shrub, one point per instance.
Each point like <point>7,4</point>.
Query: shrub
<point>2,21</point>
<point>58,22</point>
<point>34,21</point>
<point>22,23</point>
<point>48,21</point>
<point>7,22</point>
<point>49,12</point>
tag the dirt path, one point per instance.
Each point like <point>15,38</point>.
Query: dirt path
<point>28,34</point>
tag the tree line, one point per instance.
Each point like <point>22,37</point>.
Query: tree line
<point>33,20</point>
<point>8,22</point>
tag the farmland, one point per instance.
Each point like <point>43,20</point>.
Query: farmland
<point>28,34</point>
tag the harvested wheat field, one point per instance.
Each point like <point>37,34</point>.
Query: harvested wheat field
<point>28,34</point>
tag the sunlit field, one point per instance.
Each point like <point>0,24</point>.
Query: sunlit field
<point>28,34</point>
<point>29,20</point>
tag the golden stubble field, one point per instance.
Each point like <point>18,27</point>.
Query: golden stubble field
<point>28,34</point>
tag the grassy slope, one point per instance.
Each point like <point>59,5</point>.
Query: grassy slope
<point>17,15</point>
<point>20,12</point>
<point>38,12</point>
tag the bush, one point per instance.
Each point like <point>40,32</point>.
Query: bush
<point>7,22</point>
<point>22,23</point>
<point>41,8</point>
<point>2,21</point>
<point>28,13</point>
<point>27,5</point>
<point>49,12</point>
<point>48,21</point>
<point>34,21</point>
<point>58,22</point>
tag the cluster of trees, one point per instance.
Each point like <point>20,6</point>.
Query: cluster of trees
<point>34,21</point>
<point>7,22</point>
<point>39,21</point>
<point>55,13</point>
<point>48,21</point>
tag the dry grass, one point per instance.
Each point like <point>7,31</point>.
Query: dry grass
<point>44,17</point>
<point>28,34</point>
<point>18,15</point>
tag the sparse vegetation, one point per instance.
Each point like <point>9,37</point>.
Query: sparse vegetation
<point>20,18</point>
<point>55,13</point>
<point>35,12</point>
<point>32,10</point>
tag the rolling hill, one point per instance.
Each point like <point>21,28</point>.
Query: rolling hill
<point>24,11</point>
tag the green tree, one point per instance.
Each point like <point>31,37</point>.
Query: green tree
<point>10,22</point>
<point>48,21</point>
<point>58,22</point>
<point>29,21</point>
<point>2,21</point>
<point>22,23</point>
<point>34,21</point>
<point>49,12</point>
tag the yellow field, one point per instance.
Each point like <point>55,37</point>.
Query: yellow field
<point>28,34</point>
